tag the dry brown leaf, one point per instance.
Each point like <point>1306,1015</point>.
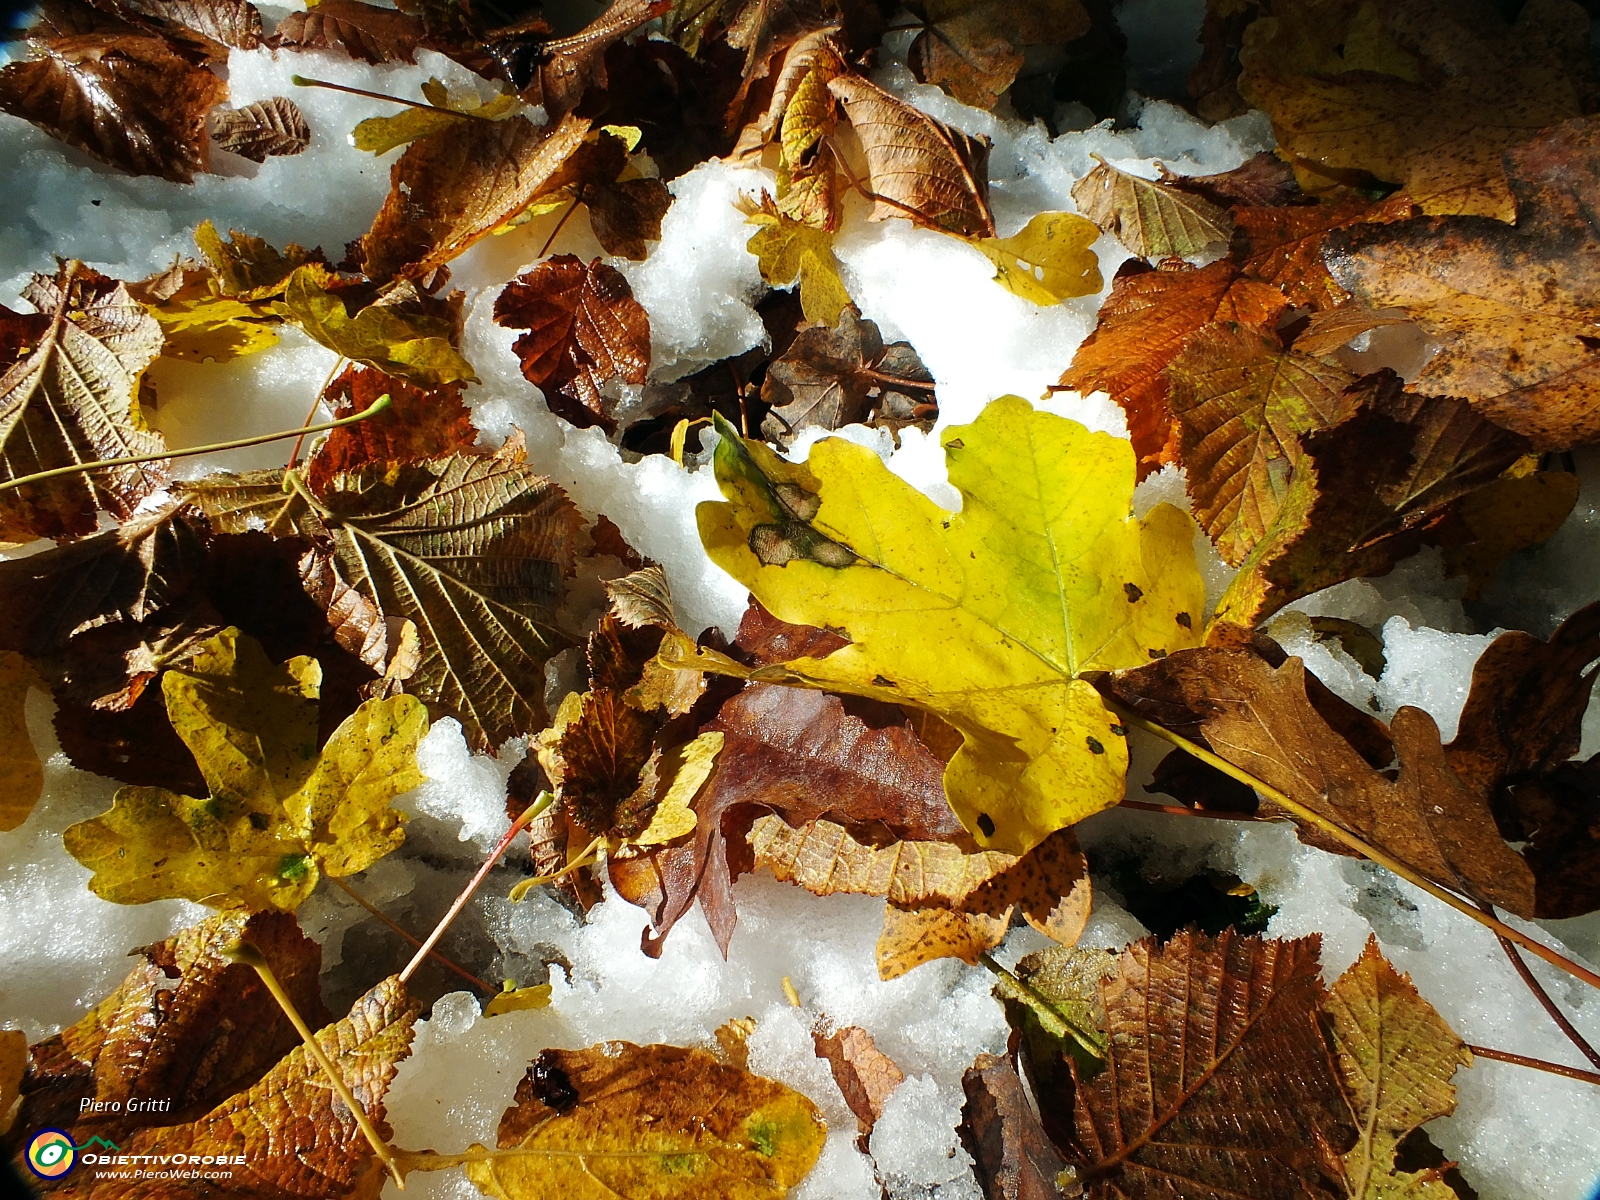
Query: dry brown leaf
<point>1011,1156</point>
<point>267,128</point>
<point>912,937</point>
<point>421,423</point>
<point>1335,328</point>
<point>556,72</point>
<point>365,31</point>
<point>865,1075</point>
<point>973,48</point>
<point>1150,217</point>
<point>1283,247</point>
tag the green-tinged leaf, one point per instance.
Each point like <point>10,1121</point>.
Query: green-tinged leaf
<point>1042,576</point>
<point>1049,260</point>
<point>279,814</point>
<point>789,251</point>
<point>247,267</point>
<point>379,135</point>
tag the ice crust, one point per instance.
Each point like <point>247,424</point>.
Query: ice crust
<point>1517,1134</point>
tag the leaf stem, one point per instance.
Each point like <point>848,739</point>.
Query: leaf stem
<point>1183,810</point>
<point>251,957</point>
<point>294,455</point>
<point>377,406</point>
<point>433,954</point>
<point>1050,1019</point>
<point>590,853</point>
<point>1340,834</point>
<point>304,81</point>
<point>1545,1000</point>
<point>543,801</point>
<point>1538,1064</point>
<point>572,206</point>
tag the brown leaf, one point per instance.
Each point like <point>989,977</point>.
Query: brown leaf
<point>267,128</point>
<point>1283,247</point>
<point>127,101</point>
<point>556,72</point>
<point>1264,181</point>
<point>235,23</point>
<point>1261,720</point>
<point>1144,324</point>
<point>865,1075</point>
<point>421,423</point>
<point>364,31</point>
<point>1151,218</point>
<point>1333,328</point>
<point>1218,1080</point>
<point>763,639</point>
<point>1011,1156</point>
<point>248,267</point>
<point>585,329</point>
<point>624,213</point>
<point>973,48</point>
<point>920,168</point>
<point>1513,309</point>
<point>73,399</point>
<point>829,378</point>
<point>1510,514</point>
<point>1559,813</point>
<point>186,1025</point>
<point>450,189</point>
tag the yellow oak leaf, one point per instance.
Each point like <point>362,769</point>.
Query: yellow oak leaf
<point>1042,576</point>
<point>280,814</point>
<point>1048,260</point>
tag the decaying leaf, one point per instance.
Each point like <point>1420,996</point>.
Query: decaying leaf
<point>626,1120</point>
<point>422,423</point>
<point>1011,1156</point>
<point>21,774</point>
<point>1043,567</point>
<point>915,936</point>
<point>585,332</point>
<point>1395,1056</point>
<point>789,252</point>
<point>1048,260</point>
<point>247,267</point>
<point>128,101</point>
<point>866,1075</point>
<point>973,48</point>
<point>365,31</point>
<point>625,208</point>
<point>72,398</point>
<point>261,130</point>
<point>556,72</point>
<point>279,815</point>
<point>1150,217</point>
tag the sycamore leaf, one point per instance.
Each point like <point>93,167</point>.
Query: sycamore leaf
<point>454,187</point>
<point>246,267</point>
<point>865,1074</point>
<point>1144,324</point>
<point>920,168</point>
<point>21,774</point>
<point>1513,309</point>
<point>267,128</point>
<point>625,208</point>
<point>480,584</point>
<point>672,1123</point>
<point>973,48</point>
<point>1218,1080</point>
<point>128,101</point>
<point>1395,1056</point>
<point>365,31</point>
<point>585,331</point>
<point>1011,1156</point>
<point>1152,219</point>
<point>1262,720</point>
<point>185,1004</point>
<point>422,423</point>
<point>71,397</point>
<point>788,251</point>
<point>1043,567</point>
<point>1048,260</point>
<point>280,814</point>
<point>413,346</point>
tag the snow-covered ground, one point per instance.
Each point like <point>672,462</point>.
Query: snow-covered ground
<point>1518,1134</point>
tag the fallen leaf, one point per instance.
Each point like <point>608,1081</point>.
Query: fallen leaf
<point>973,48</point>
<point>621,1119</point>
<point>920,168</point>
<point>1284,247</point>
<point>279,815</point>
<point>807,181</point>
<point>233,23</point>
<point>911,937</point>
<point>1043,567</point>
<point>21,774</point>
<point>379,135</point>
<point>556,72</point>
<point>128,101</point>
<point>1334,328</point>
<point>261,130</point>
<point>866,1075</point>
<point>364,31</point>
<point>1264,180</point>
<point>1218,1080</point>
<point>1261,720</point>
<point>1048,260</point>
<point>789,252</point>
<point>1559,814</point>
<point>625,209</point>
<point>13,1065</point>
<point>1395,1056</point>
<point>412,345</point>
<point>421,423</point>
<point>1150,217</point>
<point>1500,519</point>
<point>247,267</point>
<point>829,378</point>
<point>187,1025</point>
<point>482,588</point>
<point>1512,309</point>
<point>199,323</point>
<point>518,1000</point>
<point>585,330</point>
<point>72,398</point>
<point>1011,1156</point>
<point>452,188</point>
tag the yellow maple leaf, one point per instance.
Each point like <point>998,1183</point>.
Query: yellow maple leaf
<point>788,250</point>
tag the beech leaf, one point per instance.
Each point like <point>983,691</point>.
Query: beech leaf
<point>267,128</point>
<point>365,31</point>
<point>1048,260</point>
<point>1153,219</point>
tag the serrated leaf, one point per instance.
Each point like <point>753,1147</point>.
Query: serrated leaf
<point>247,267</point>
<point>788,251</point>
<point>265,129</point>
<point>973,48</point>
<point>1152,219</point>
<point>364,31</point>
<point>1048,260</point>
<point>280,814</point>
<point>1044,568</point>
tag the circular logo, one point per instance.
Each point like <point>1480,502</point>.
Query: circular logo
<point>51,1154</point>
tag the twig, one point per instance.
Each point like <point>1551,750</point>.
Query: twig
<point>1341,834</point>
<point>590,853</point>
<point>1538,1064</point>
<point>433,954</point>
<point>1543,997</point>
<point>250,956</point>
<point>542,802</point>
<point>303,81</point>
<point>572,206</point>
<point>294,455</point>
<point>1048,1015</point>
<point>379,405</point>
<point>1183,810</point>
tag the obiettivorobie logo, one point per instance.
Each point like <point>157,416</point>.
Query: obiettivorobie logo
<point>52,1153</point>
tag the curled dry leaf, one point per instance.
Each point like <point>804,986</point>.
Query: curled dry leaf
<point>68,395</point>
<point>128,101</point>
<point>1011,1156</point>
<point>866,1075</point>
<point>623,1120</point>
<point>973,48</point>
<point>585,331</point>
<point>248,267</point>
<point>1151,218</point>
<point>267,128</point>
<point>556,72</point>
<point>365,31</point>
